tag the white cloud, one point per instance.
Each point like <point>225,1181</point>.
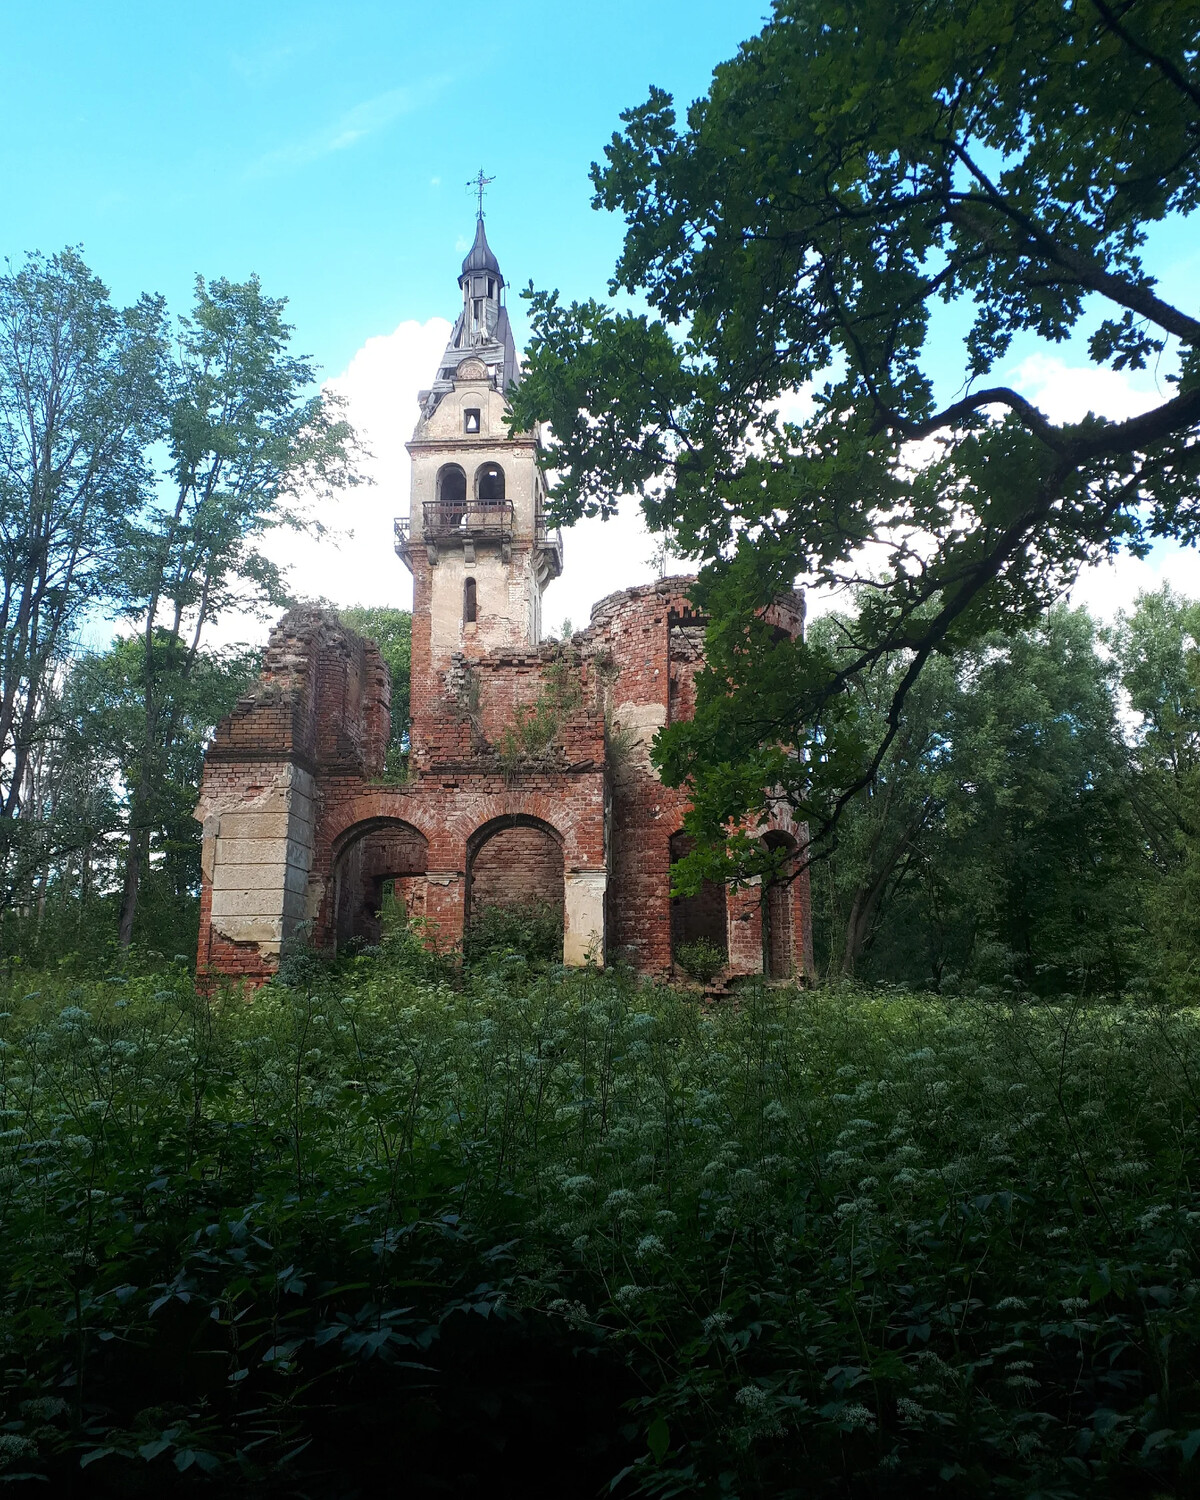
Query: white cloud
<point>1067,393</point>
<point>356,563</point>
<point>347,130</point>
<point>1109,587</point>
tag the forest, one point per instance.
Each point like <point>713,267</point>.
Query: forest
<point>480,1224</point>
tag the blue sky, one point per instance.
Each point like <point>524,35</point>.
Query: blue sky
<point>327,148</point>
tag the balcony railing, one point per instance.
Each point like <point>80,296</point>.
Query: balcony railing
<point>474,521</point>
<point>486,518</point>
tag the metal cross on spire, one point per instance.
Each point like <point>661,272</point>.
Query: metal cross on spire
<point>479,182</point>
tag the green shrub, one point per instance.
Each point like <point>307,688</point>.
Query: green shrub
<point>701,960</point>
<point>820,1244</point>
<point>532,929</point>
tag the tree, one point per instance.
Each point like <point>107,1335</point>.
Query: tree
<point>246,438</point>
<point>853,171</point>
<point>997,843</point>
<point>80,397</point>
<point>391,630</point>
<point>1158,652</point>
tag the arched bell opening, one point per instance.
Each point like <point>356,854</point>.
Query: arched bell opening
<point>451,493</point>
<point>374,860</point>
<point>515,884</point>
<point>489,482</point>
<point>779,921</point>
<point>703,917</point>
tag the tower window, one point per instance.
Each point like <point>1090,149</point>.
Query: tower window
<point>469,604</point>
<point>451,493</point>
<point>471,419</point>
<point>491,287</point>
<point>489,482</point>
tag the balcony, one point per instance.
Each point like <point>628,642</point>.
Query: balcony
<point>476,521</point>
<point>484,520</point>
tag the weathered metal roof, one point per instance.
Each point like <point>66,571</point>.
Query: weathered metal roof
<point>480,256</point>
<point>482,328</point>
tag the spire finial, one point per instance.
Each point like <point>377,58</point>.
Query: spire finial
<point>479,182</point>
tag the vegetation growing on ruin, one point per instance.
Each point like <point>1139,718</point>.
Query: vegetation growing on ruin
<point>533,728</point>
<point>820,1244</point>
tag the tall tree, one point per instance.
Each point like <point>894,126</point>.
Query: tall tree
<point>247,438</point>
<point>852,171</point>
<point>997,844</point>
<point>391,630</point>
<point>80,398</point>
<point>1157,648</point>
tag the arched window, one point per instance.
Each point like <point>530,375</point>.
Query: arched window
<point>489,482</point>
<point>699,918</point>
<point>778,924</point>
<point>451,488</point>
<point>469,604</point>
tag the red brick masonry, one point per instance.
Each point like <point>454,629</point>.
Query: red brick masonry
<point>302,834</point>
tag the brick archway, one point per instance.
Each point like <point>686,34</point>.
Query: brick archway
<point>779,941</point>
<point>514,862</point>
<point>367,856</point>
<point>703,917</point>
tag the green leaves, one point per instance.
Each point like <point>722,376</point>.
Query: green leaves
<point>575,1218</point>
<point>852,172</point>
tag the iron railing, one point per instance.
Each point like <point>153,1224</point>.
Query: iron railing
<point>478,520</point>
<point>491,518</point>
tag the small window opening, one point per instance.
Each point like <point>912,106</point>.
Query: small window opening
<point>469,604</point>
<point>478,309</point>
<point>491,287</point>
<point>471,419</point>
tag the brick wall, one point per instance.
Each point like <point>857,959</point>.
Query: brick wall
<point>516,867</point>
<point>320,710</point>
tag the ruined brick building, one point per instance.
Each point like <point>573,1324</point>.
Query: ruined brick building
<point>529,776</point>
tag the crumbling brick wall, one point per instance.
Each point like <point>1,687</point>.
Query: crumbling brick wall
<point>301,834</point>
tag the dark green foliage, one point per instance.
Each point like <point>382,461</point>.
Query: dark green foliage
<point>701,960</point>
<point>800,1246</point>
<point>391,630</point>
<point>80,793</point>
<point>838,243</point>
<point>530,930</point>
<point>1158,653</point>
<point>999,843</point>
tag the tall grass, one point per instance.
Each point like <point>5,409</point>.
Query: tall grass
<point>805,1244</point>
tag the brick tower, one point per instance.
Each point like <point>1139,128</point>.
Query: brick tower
<point>475,537</point>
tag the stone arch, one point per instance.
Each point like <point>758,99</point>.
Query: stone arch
<point>779,917</point>
<point>451,489</point>
<point>489,482</point>
<point>368,856</point>
<point>702,916</point>
<point>514,861</point>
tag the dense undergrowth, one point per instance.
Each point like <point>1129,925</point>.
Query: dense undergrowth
<point>378,1226</point>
